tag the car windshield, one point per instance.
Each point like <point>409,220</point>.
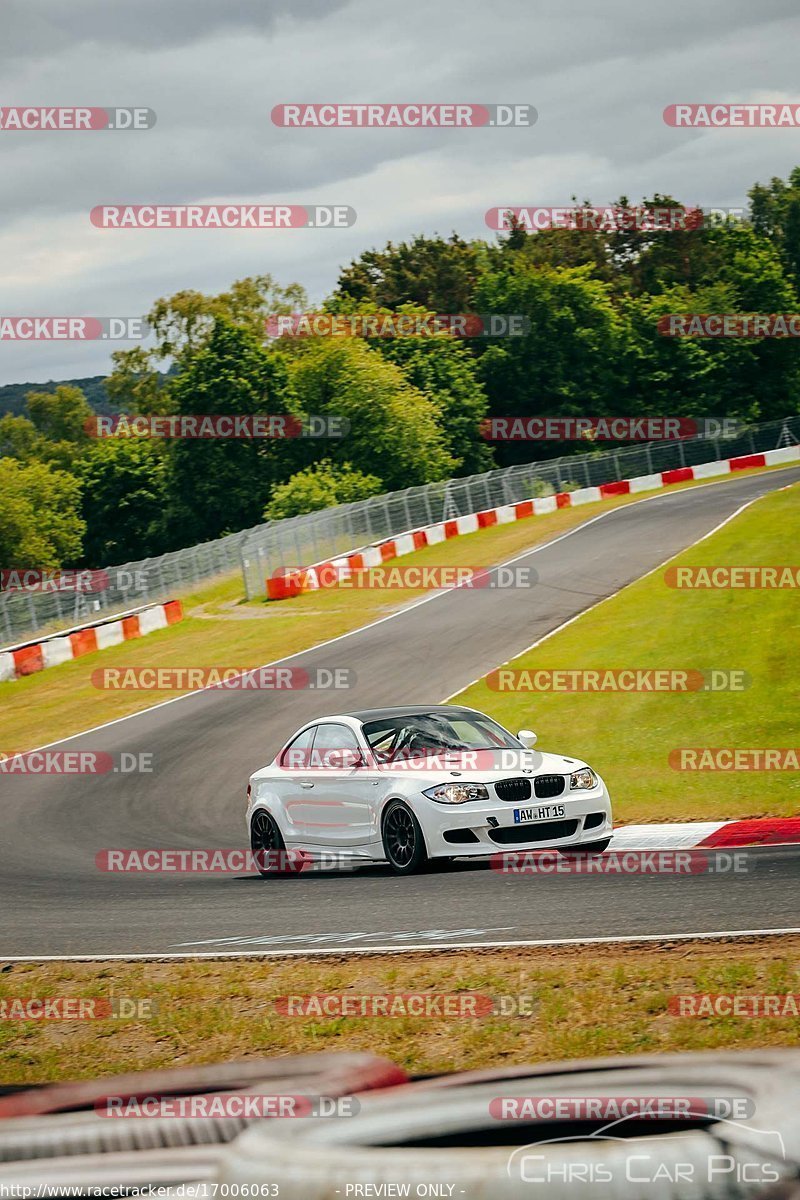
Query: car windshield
<point>405,734</point>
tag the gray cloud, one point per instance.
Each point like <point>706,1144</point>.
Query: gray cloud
<point>35,28</point>
<point>599,75</point>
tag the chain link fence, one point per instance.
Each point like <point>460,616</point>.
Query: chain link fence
<point>34,611</point>
<point>299,541</point>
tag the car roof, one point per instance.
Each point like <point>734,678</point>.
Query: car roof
<point>366,715</point>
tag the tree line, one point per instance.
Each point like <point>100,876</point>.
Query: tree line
<point>413,406</point>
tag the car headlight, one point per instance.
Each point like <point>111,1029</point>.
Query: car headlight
<point>585,778</point>
<point>456,793</point>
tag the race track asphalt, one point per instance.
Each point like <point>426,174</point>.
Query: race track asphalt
<point>54,900</point>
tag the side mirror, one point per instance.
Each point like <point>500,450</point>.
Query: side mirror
<point>527,737</point>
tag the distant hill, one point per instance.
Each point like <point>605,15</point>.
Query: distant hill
<point>12,395</point>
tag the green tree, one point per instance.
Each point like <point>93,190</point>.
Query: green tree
<point>555,247</point>
<point>60,416</point>
<point>182,325</point>
<point>444,369</point>
<point>323,485</point>
<point>745,379</point>
<point>19,438</point>
<point>53,431</point>
<point>566,364</point>
<point>124,498</point>
<point>394,430</point>
<point>775,213</point>
<point>218,486</point>
<point>40,522</point>
<point>437,274</point>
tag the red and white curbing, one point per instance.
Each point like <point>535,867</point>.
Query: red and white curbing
<point>756,831</point>
<point>295,581</point>
<point>18,661</point>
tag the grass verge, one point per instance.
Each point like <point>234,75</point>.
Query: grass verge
<point>628,736</point>
<point>221,629</point>
<point>595,1001</point>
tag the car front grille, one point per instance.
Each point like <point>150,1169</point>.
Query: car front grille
<point>541,831</point>
<point>513,789</point>
<point>549,785</point>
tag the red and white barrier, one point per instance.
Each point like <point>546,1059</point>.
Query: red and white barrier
<point>295,581</point>
<point>17,661</point>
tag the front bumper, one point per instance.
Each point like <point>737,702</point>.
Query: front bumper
<point>475,829</point>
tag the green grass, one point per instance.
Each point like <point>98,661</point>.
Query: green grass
<point>221,629</point>
<point>628,736</point>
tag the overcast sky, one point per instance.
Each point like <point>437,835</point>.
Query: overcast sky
<point>599,72</point>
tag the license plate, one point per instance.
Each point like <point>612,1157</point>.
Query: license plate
<point>521,815</point>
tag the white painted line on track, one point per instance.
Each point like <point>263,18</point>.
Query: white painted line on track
<point>625,939</point>
<point>604,600</point>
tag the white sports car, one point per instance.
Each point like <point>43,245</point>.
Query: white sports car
<point>405,786</point>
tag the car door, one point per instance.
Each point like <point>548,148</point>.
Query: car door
<point>335,797</point>
<point>292,784</point>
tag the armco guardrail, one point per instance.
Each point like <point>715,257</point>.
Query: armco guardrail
<point>333,532</point>
<point>55,649</point>
<point>259,552</point>
<point>288,582</point>
<point>30,611</point>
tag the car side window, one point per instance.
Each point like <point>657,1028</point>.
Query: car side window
<point>297,754</point>
<point>335,746</point>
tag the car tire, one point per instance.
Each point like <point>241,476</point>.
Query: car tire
<point>265,838</point>
<point>588,847</point>
<point>403,843</point>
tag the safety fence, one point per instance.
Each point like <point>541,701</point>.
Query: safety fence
<point>261,551</point>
